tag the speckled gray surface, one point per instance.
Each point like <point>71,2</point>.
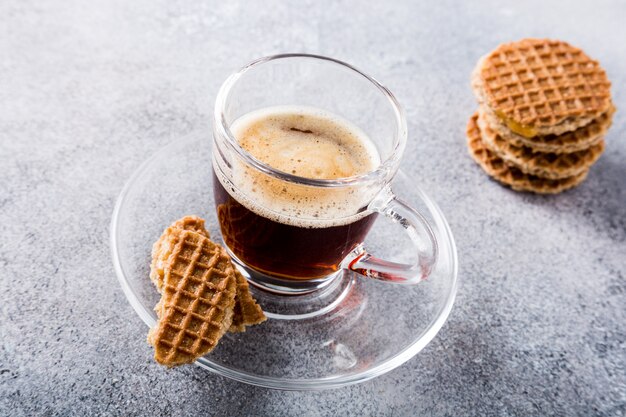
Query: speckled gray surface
<point>89,89</point>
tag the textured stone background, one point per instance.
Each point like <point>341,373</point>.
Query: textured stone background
<point>89,89</point>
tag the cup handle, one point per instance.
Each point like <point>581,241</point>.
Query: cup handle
<point>421,234</point>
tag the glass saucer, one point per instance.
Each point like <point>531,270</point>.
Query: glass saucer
<point>359,329</point>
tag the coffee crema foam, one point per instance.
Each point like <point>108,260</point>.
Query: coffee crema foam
<point>307,142</point>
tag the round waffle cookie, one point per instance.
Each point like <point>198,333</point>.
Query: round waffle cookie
<point>547,165</point>
<point>496,168</point>
<point>574,141</point>
<point>541,87</point>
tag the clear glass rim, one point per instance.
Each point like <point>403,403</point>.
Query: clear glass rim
<point>312,384</point>
<point>385,170</point>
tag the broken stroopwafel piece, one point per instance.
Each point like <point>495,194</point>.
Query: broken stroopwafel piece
<point>197,299</point>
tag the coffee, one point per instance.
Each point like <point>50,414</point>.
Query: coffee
<point>291,230</point>
<point>306,142</point>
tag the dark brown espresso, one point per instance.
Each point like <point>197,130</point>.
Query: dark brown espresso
<point>285,250</point>
<point>284,229</point>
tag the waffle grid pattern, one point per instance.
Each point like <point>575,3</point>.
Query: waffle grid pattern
<point>543,83</point>
<point>162,248</point>
<point>495,167</point>
<point>548,165</point>
<point>198,289</point>
<point>572,141</point>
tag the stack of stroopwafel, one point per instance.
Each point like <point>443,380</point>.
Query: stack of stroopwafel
<point>544,109</point>
<point>202,294</point>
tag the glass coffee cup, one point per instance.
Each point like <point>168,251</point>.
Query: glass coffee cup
<point>293,233</point>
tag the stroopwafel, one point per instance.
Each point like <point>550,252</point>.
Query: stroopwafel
<point>162,249</point>
<point>246,311</point>
<point>541,87</point>
<point>198,295</point>
<point>496,168</point>
<point>547,165</point>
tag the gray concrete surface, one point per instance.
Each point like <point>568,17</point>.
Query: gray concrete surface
<point>89,89</point>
